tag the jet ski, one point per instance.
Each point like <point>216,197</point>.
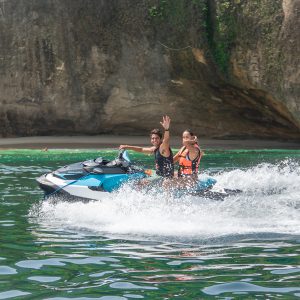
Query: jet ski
<point>88,180</point>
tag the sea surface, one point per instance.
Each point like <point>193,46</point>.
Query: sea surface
<point>135,245</point>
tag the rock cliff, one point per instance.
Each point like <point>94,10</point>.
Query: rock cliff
<point>226,69</point>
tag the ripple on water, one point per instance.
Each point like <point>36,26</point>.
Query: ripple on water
<point>37,264</point>
<point>235,287</point>
<point>86,298</point>
<point>12,294</point>
<point>10,203</point>
<point>44,278</point>
<point>130,286</point>
<point>101,274</point>
<point>5,270</point>
<point>180,262</point>
<point>133,296</point>
<point>286,271</point>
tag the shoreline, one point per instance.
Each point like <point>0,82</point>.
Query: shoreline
<point>113,141</point>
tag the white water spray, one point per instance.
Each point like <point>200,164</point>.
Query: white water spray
<point>270,203</point>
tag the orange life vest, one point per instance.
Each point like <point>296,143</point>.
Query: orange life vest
<point>186,165</point>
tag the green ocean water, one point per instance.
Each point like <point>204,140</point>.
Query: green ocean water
<point>133,245</point>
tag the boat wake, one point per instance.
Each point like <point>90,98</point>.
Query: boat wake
<point>269,204</point>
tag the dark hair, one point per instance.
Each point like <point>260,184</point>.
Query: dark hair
<point>192,134</point>
<point>157,132</point>
<point>189,131</point>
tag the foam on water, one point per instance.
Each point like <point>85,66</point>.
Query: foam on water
<point>269,203</point>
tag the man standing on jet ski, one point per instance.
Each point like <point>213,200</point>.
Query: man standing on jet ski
<point>161,149</point>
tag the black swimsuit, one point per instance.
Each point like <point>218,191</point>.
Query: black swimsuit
<point>164,165</point>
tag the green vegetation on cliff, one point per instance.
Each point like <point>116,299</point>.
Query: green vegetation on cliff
<point>222,32</point>
<point>216,22</point>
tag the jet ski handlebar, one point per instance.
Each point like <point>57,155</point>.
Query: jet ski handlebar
<point>121,161</point>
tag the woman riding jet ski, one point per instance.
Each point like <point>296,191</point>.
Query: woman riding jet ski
<point>87,180</point>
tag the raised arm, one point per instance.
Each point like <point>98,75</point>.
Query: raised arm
<point>146,150</point>
<point>165,146</point>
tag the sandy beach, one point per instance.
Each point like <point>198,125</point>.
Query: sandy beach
<point>113,141</point>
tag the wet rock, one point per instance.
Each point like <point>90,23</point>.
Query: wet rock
<point>92,67</point>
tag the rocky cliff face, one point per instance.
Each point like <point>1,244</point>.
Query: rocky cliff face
<point>224,68</point>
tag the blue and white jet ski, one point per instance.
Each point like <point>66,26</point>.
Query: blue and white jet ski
<point>88,180</point>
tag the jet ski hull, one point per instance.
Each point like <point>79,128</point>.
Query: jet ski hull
<point>46,185</point>
<point>77,191</point>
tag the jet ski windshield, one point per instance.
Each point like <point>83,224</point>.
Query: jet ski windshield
<point>123,154</point>
<point>123,161</point>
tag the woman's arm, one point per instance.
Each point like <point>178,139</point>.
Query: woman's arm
<point>194,152</point>
<point>177,155</point>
